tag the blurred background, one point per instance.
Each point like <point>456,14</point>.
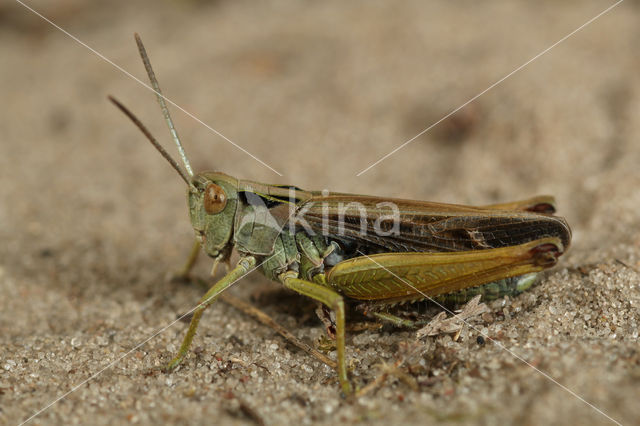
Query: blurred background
<point>92,219</point>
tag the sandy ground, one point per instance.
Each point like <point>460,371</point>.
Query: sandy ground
<point>93,221</point>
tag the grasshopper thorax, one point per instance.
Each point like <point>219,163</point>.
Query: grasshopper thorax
<point>212,200</point>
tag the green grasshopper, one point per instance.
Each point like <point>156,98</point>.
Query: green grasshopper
<point>332,247</point>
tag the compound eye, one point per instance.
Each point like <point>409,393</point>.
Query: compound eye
<point>215,199</point>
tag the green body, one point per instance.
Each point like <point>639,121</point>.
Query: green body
<point>444,252</point>
<point>383,252</point>
<point>256,222</point>
<point>494,290</point>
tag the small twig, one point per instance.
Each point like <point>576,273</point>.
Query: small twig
<point>378,381</point>
<point>440,324</point>
<point>265,319</point>
<point>627,265</point>
<point>406,352</point>
<point>250,412</point>
<point>238,361</point>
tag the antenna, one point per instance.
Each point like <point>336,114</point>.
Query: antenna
<point>163,105</point>
<point>153,140</point>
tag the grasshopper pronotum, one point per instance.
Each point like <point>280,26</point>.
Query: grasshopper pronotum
<point>332,247</point>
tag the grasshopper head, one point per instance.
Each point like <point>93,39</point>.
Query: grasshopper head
<point>213,199</point>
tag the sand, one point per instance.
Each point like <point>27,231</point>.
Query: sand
<point>93,221</point>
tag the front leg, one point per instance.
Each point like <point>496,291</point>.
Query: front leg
<point>244,266</point>
<point>334,301</point>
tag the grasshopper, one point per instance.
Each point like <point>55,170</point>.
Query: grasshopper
<point>332,247</point>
